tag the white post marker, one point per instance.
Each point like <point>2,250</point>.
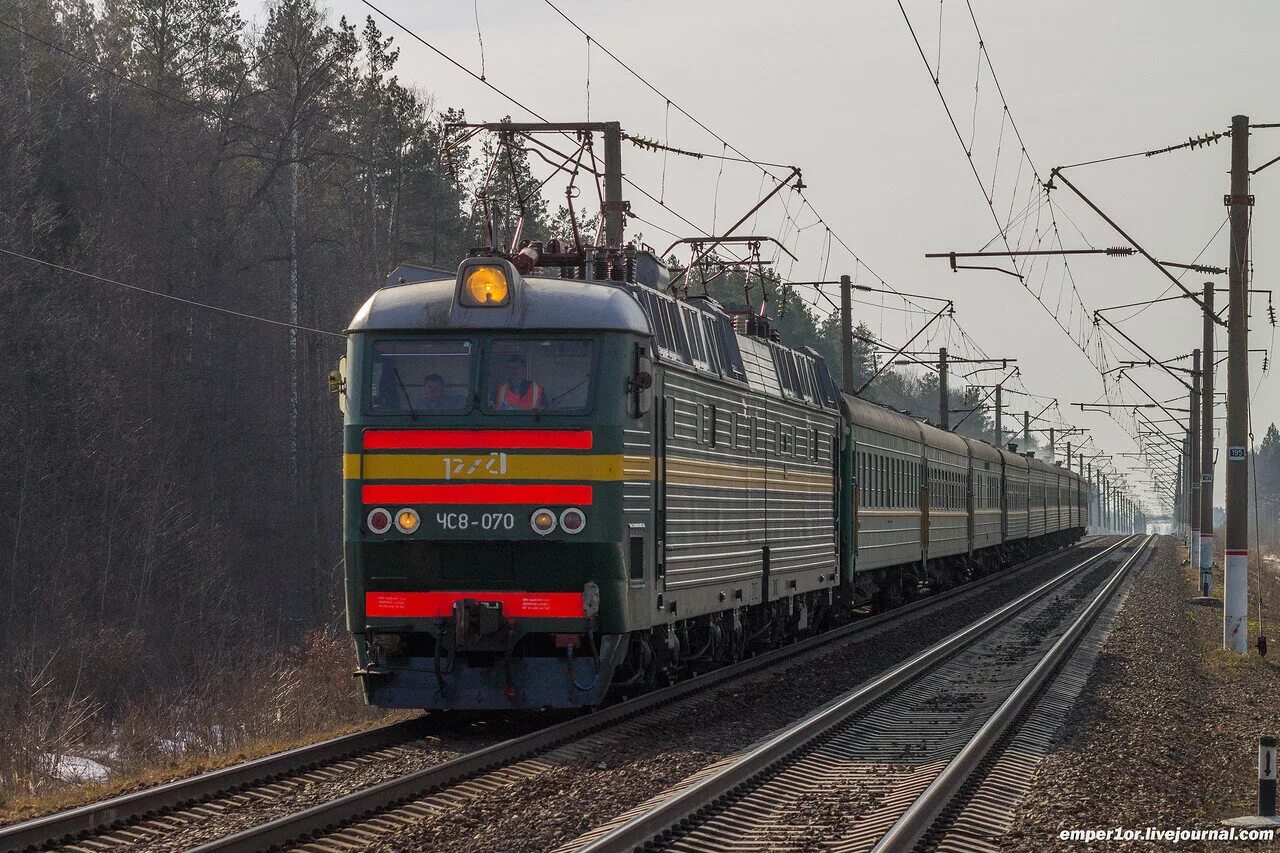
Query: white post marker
<point>1194,553</point>
<point>1266,776</point>
<point>1235,629</point>
<point>1206,538</point>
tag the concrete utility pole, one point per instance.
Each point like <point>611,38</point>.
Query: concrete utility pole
<point>1051,444</point>
<point>614,207</point>
<point>1104,519</point>
<point>944,398</point>
<point>1179,489</point>
<point>1089,485</point>
<point>1026,431</point>
<point>1193,463</point>
<point>1206,447</point>
<point>999,417</point>
<point>846,335</point>
<point>1235,628</point>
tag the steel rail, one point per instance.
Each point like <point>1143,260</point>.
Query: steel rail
<point>929,806</point>
<point>386,795</point>
<point>717,788</point>
<point>64,825</point>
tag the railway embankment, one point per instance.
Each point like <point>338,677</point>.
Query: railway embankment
<point>1165,732</point>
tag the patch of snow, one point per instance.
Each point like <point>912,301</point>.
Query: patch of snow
<point>74,768</point>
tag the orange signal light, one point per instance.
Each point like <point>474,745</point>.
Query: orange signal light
<point>486,286</point>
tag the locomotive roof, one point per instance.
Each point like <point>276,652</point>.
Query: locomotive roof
<point>544,303</point>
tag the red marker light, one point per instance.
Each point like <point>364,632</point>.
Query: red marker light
<point>572,520</point>
<point>379,520</point>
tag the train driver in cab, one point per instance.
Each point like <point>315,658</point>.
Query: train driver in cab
<point>435,399</point>
<point>518,392</point>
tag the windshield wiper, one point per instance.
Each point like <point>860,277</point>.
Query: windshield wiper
<point>551,404</point>
<point>405,389</point>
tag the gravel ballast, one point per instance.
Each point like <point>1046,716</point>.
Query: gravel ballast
<point>1165,732</point>
<point>557,797</point>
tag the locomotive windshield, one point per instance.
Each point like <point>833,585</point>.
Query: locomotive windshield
<point>421,377</point>
<point>548,375</point>
<point>432,376</point>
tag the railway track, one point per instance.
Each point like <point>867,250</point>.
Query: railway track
<point>166,816</point>
<point>917,754</point>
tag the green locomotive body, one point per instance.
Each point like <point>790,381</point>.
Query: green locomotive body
<point>559,487</point>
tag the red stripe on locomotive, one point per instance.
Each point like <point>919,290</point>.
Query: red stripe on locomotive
<point>429,605</point>
<point>476,493</point>
<point>477,439</point>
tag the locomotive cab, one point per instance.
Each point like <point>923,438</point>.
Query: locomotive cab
<point>491,421</point>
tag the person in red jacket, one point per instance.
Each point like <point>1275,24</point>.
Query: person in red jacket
<point>518,392</point>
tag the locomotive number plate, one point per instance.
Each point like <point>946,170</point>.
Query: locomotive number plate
<point>475,521</point>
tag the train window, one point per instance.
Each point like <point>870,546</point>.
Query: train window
<point>867,475</point>
<point>715,358</point>
<point>543,375</point>
<point>857,476</point>
<point>692,321</point>
<point>727,346</point>
<point>813,391</point>
<point>665,316</point>
<point>863,484</point>
<point>784,361</point>
<point>662,331</point>
<point>875,480</point>
<point>421,377</point>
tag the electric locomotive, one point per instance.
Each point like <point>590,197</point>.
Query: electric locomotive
<point>562,481</point>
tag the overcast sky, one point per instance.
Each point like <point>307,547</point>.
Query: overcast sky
<point>840,89</point>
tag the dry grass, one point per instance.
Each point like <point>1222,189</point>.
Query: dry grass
<point>292,699</point>
<point>25,807</point>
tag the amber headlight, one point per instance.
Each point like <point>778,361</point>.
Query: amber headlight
<point>543,521</point>
<point>406,521</point>
<point>485,286</point>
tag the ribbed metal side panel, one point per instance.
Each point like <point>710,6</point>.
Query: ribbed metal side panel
<point>948,534</point>
<point>986,528</point>
<point>887,538</point>
<point>637,493</point>
<point>1017,525</point>
<point>726,500</point>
